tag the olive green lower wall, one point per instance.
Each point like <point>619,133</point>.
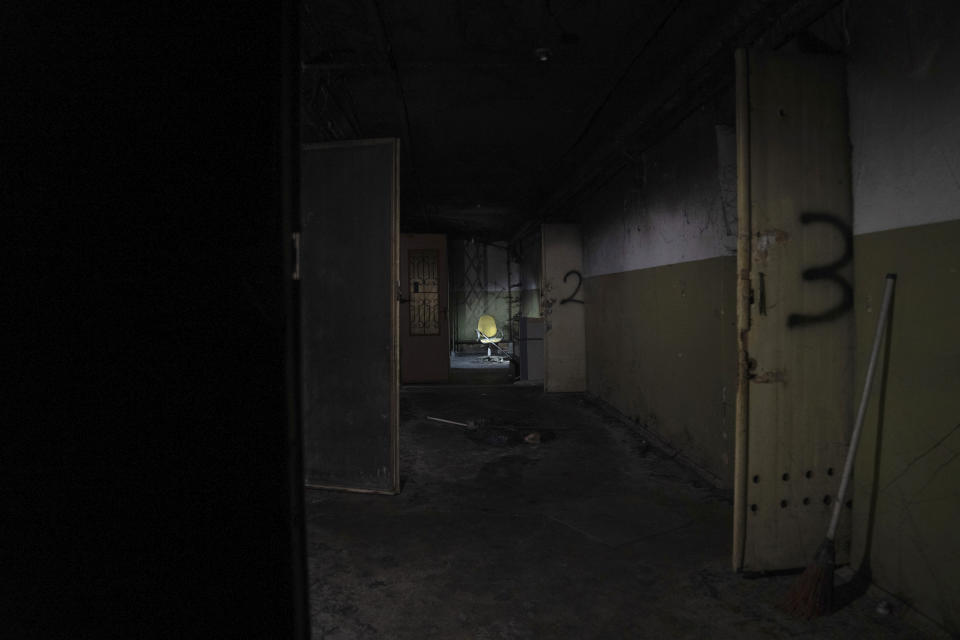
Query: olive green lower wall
<point>907,486</point>
<point>661,348</point>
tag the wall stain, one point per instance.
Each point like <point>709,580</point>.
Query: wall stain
<point>765,241</point>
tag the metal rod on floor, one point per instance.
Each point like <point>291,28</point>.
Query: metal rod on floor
<point>459,424</point>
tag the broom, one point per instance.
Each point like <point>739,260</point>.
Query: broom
<point>812,594</point>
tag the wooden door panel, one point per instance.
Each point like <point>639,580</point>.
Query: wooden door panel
<point>800,340</point>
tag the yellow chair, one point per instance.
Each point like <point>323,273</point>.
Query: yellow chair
<point>488,334</point>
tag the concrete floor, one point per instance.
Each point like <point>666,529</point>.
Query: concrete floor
<point>589,534</point>
<point>476,358</point>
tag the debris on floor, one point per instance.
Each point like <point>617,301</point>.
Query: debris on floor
<point>468,425</point>
<point>497,432</point>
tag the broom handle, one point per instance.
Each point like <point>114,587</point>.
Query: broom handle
<point>861,412</point>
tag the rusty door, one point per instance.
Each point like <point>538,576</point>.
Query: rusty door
<point>800,340</point>
<point>424,324</point>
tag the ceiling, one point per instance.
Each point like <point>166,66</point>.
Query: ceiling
<point>492,136</point>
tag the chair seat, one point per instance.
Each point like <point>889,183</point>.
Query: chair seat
<point>488,340</point>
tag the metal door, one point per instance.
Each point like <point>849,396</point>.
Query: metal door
<point>348,283</point>
<point>799,338</point>
<point>424,323</point>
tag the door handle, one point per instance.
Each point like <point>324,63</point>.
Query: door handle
<point>763,294</point>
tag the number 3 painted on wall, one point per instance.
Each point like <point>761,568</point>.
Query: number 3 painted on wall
<point>828,272</point>
<point>570,298</point>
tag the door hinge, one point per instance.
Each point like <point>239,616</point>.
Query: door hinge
<point>296,255</point>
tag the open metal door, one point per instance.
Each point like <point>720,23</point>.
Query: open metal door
<point>797,337</point>
<point>348,283</point>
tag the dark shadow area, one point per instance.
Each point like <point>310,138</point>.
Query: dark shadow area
<point>149,451</point>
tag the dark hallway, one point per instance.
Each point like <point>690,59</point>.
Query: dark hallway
<point>685,213</point>
<point>591,533</point>
<point>481,319</point>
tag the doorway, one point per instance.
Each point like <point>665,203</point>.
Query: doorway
<point>424,324</point>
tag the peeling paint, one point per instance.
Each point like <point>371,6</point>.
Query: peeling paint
<point>767,240</point>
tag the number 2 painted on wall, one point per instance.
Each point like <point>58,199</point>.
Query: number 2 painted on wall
<point>570,298</point>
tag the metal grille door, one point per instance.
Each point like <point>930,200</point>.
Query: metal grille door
<point>424,287</point>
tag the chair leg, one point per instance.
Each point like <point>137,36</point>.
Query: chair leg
<point>488,351</point>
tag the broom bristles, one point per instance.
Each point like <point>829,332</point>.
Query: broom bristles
<point>812,594</point>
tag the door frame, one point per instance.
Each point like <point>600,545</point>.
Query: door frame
<point>403,294</point>
<point>744,248</point>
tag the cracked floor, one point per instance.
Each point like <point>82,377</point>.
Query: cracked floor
<point>590,533</point>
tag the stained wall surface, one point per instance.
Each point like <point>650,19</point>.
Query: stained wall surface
<point>529,253</point>
<point>659,267</point>
<point>904,93</point>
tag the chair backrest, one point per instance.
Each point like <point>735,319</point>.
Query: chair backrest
<point>487,326</point>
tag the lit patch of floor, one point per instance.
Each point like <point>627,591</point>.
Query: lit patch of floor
<point>473,367</point>
<point>478,360</point>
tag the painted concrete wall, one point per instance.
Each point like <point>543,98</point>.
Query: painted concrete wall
<point>563,308</point>
<point>678,204</point>
<point>530,263</point>
<point>907,476</point>
<point>659,268</point>
<point>905,122</point>
<point>904,91</point>
<point>661,348</point>
<point>659,245</point>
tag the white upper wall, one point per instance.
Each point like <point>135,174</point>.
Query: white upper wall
<point>496,268</point>
<point>530,262</point>
<point>678,204</point>
<point>904,92</point>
